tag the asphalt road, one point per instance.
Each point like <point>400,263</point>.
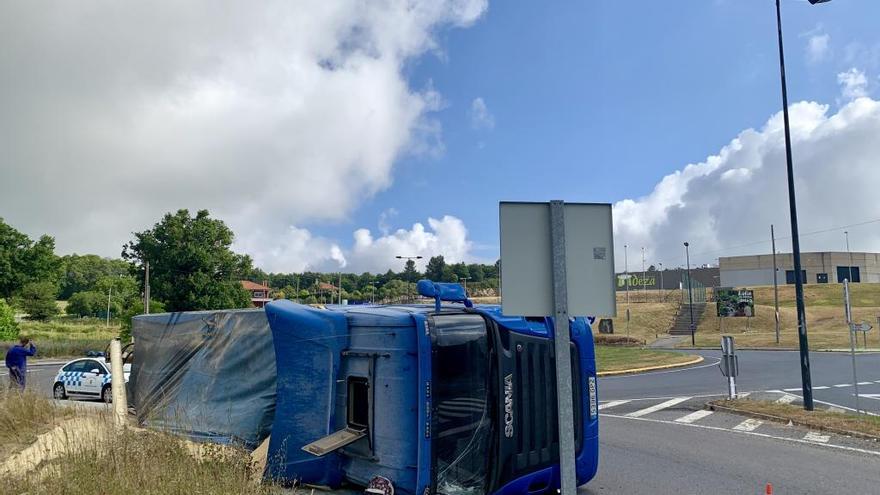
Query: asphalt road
<point>759,370</point>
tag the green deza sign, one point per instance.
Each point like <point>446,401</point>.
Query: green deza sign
<point>636,281</point>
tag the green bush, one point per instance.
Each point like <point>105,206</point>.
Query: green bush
<point>8,326</point>
<point>88,303</point>
<point>38,300</point>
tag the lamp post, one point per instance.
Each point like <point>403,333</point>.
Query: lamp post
<point>803,344</point>
<point>626,274</point>
<point>465,279</point>
<point>687,254</point>
<point>846,235</point>
<point>409,284</point>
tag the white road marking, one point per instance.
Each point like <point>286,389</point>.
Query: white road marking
<point>865,383</point>
<point>613,403</point>
<point>657,407</point>
<point>870,396</point>
<point>794,389</point>
<point>752,433</point>
<point>694,416</point>
<point>815,437</point>
<point>821,387</point>
<point>842,385</point>
<point>750,424</point>
<point>786,399</point>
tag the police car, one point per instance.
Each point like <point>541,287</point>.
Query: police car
<point>86,378</point>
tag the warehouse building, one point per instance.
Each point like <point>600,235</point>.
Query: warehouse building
<point>816,268</point>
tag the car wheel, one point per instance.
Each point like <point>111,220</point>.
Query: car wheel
<point>58,392</point>
<point>107,394</point>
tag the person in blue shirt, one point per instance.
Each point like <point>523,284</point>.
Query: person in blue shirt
<point>16,361</point>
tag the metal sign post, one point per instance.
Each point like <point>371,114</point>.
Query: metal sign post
<point>562,339</point>
<point>852,340</point>
<point>729,364</point>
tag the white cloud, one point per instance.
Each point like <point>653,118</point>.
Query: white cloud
<point>818,48</point>
<point>730,199</point>
<point>481,118</point>
<point>299,250</point>
<point>270,115</point>
<point>853,84</point>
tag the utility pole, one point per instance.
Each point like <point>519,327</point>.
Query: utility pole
<point>109,291</point>
<point>775,281</point>
<point>803,343</point>
<point>339,289</point>
<point>660,289</point>
<point>644,276</point>
<point>465,279</point>
<point>626,274</point>
<point>147,288</point>
<point>690,294</point>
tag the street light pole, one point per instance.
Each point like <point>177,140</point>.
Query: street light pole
<point>465,279</point>
<point>626,274</point>
<point>644,276</point>
<point>803,344</point>
<point>687,254</point>
<point>409,284</point>
<point>846,235</point>
<point>660,292</point>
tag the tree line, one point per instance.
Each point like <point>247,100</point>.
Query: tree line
<point>192,267</point>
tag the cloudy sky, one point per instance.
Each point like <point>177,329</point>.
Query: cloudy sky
<point>332,134</point>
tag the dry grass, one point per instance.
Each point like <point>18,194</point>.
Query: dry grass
<point>622,358</point>
<point>869,425</point>
<point>145,463</point>
<point>64,337</point>
<point>23,417</point>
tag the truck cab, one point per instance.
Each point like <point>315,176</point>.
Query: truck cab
<point>448,398</point>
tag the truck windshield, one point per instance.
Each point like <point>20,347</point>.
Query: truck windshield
<point>462,420</point>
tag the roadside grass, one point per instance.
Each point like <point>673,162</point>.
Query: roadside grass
<point>23,417</point>
<point>831,421</point>
<point>617,358</point>
<point>65,336</point>
<point>648,320</point>
<point>826,327</point>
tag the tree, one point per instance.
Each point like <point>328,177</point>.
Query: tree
<point>82,273</point>
<point>192,265</point>
<point>86,303</point>
<point>38,300</point>
<point>434,270</point>
<point>23,261</point>
<point>8,326</point>
<point>410,274</point>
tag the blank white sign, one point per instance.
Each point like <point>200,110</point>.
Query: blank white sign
<point>527,264</point>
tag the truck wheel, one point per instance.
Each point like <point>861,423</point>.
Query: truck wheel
<point>58,392</point>
<point>107,394</point>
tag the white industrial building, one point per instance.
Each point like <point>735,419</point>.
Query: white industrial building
<point>816,268</point>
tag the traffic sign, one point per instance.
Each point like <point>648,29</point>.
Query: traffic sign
<point>860,327</point>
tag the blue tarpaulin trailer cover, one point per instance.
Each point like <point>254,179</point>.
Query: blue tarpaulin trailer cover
<point>206,375</point>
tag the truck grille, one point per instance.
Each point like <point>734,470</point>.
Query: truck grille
<point>534,445</point>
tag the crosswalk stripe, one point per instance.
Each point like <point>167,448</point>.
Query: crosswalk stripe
<point>792,389</point>
<point>865,383</point>
<point>613,403</point>
<point>786,399</point>
<point>820,387</point>
<point>749,425</point>
<point>815,437</point>
<point>657,407</point>
<point>841,385</point>
<point>694,416</point>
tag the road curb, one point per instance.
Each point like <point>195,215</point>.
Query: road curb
<point>695,360</point>
<point>778,419</point>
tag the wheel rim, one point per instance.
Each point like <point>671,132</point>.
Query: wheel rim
<point>107,395</point>
<point>59,391</point>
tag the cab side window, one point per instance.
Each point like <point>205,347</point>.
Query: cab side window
<point>75,366</point>
<point>92,365</point>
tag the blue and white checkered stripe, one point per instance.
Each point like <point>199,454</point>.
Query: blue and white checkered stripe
<point>106,380</point>
<point>71,378</point>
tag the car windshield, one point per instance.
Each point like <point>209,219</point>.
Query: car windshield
<point>462,432</point>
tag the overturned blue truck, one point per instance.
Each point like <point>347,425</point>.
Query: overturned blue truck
<point>448,398</point>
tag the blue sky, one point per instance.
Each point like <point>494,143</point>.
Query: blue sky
<point>597,101</point>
